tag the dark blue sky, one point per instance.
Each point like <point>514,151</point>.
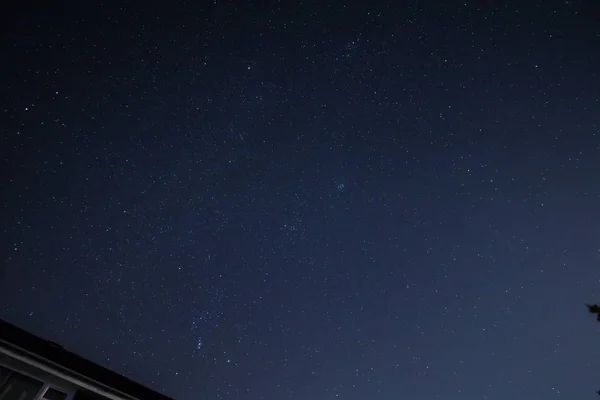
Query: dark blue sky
<point>300,200</point>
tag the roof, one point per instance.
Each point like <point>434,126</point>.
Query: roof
<point>53,353</point>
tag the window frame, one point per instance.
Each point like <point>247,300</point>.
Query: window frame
<point>45,384</point>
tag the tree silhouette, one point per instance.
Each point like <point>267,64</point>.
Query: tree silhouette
<point>595,309</point>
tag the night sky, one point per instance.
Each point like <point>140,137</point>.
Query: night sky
<point>307,200</point>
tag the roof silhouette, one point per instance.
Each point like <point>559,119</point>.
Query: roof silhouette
<point>45,351</point>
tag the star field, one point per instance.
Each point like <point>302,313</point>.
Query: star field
<point>307,200</point>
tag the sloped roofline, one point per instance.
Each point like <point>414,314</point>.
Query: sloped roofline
<point>53,358</point>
